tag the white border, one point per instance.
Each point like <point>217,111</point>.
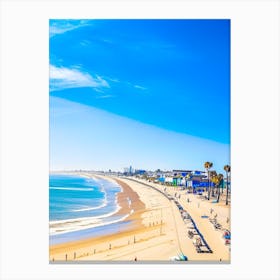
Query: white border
<point>24,137</point>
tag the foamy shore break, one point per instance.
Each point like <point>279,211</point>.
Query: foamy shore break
<point>156,230</point>
<point>58,227</point>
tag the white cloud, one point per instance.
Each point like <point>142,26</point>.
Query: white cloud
<point>135,86</point>
<point>125,83</point>
<point>62,26</point>
<point>85,43</point>
<point>140,87</point>
<point>63,78</point>
<point>114,80</point>
<point>104,96</point>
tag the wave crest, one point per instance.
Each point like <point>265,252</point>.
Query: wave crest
<point>91,208</point>
<point>72,189</point>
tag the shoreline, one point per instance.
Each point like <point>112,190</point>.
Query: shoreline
<point>86,223</point>
<point>150,235</point>
<point>133,219</point>
<point>156,231</point>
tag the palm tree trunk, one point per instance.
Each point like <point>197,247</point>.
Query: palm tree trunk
<point>218,199</point>
<point>208,186</point>
<point>227,191</point>
<point>213,191</point>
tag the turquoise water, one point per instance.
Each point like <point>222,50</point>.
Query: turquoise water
<point>81,207</point>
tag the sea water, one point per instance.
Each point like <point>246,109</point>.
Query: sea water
<point>82,207</point>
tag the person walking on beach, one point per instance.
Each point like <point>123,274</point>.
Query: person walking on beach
<point>135,259</point>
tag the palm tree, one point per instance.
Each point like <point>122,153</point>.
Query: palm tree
<point>220,181</point>
<point>213,174</point>
<point>188,177</point>
<point>223,186</point>
<point>214,179</point>
<point>227,169</point>
<point>207,166</point>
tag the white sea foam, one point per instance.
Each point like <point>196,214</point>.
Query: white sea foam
<point>83,224</point>
<point>57,227</point>
<point>103,191</point>
<point>77,220</point>
<point>72,189</point>
<point>92,208</point>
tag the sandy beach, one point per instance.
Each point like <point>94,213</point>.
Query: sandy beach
<point>202,211</point>
<point>156,231</point>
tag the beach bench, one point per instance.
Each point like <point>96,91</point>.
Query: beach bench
<point>199,241</point>
<point>199,249</point>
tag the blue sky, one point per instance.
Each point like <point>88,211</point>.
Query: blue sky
<point>169,78</point>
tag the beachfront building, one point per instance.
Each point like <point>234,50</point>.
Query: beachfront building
<point>168,180</point>
<point>139,172</point>
<point>128,171</point>
<point>180,177</point>
<point>195,180</point>
<point>189,178</point>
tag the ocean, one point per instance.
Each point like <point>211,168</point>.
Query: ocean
<point>81,207</point>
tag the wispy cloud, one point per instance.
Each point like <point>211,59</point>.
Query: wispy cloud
<point>64,78</point>
<point>125,83</point>
<point>140,87</point>
<point>62,26</point>
<point>136,86</point>
<point>104,96</point>
<point>85,43</point>
<point>113,80</point>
